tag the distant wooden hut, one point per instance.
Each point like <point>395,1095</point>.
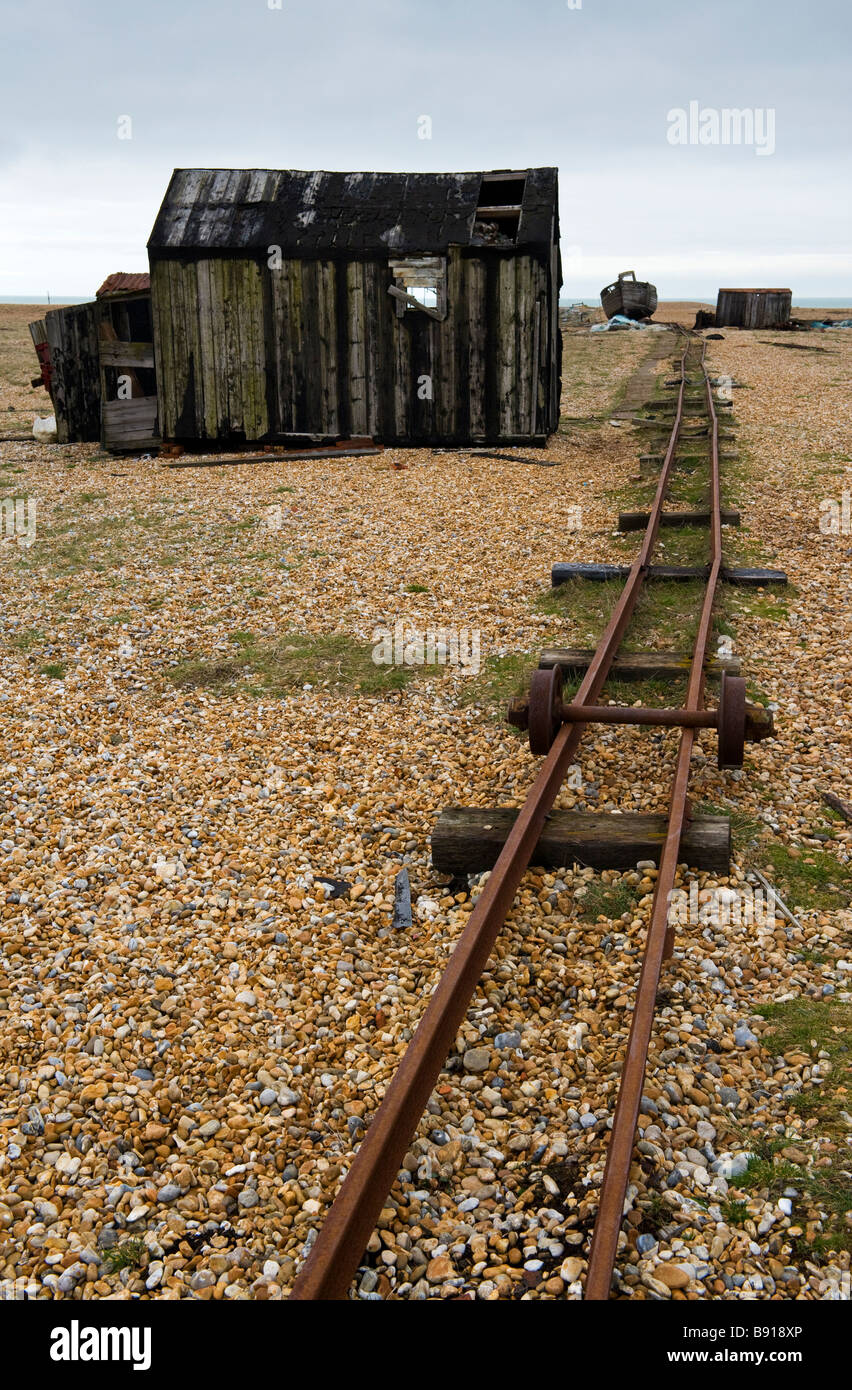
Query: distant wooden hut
<point>413,308</point>
<point>753,308</point>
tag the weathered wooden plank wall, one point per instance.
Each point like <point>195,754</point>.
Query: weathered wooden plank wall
<point>318,348</point>
<point>753,308</point>
<point>127,423</point>
<point>75,367</point>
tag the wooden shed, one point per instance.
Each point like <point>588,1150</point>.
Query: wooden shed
<point>753,308</point>
<point>412,308</point>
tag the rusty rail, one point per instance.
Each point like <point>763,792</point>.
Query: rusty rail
<point>659,943</point>
<point>339,1246</point>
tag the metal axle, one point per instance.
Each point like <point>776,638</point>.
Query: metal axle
<point>543,713</point>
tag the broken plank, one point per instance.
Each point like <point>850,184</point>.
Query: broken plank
<point>636,666</point>
<point>469,839</point>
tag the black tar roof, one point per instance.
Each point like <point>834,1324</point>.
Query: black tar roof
<point>308,214</point>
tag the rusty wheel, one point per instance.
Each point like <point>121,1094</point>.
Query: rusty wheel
<point>732,703</point>
<point>544,709</point>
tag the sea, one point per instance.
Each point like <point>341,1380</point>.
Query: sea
<point>802,301</point>
<point>46,299</point>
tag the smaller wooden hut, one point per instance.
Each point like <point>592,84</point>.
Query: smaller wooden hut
<point>97,363</point>
<point>753,308</point>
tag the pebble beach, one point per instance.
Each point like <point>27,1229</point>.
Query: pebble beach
<point>209,788</point>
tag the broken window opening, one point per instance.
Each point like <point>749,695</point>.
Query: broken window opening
<point>420,284</point>
<point>425,294</point>
<point>128,382</point>
<point>498,210</point>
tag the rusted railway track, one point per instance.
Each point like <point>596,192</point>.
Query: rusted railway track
<point>338,1249</point>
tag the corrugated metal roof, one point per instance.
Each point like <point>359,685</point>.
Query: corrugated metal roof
<point>122,282</point>
<point>209,210</point>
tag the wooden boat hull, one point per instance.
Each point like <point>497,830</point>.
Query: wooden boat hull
<point>635,299</point>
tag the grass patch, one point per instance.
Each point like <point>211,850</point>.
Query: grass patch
<point>689,488</point>
<point>500,679</point>
<point>26,639</point>
<point>611,900</point>
<point>656,1216</point>
<point>583,609</point>
<point>811,1026</point>
<point>815,879</point>
<point>811,957</point>
<point>416,589</point>
<point>665,693</point>
<point>751,603</point>
<point>683,545</point>
<point>328,660</point>
<point>128,1255</point>
<point>770,1175</point>
<point>54,669</point>
<point>666,616</point>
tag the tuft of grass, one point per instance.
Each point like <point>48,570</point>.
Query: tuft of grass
<point>416,589</point>
<point>771,1176</point>
<point>745,828</point>
<point>327,660</point>
<point>611,900</point>
<point>656,1216</point>
<point>128,1255</point>
<point>811,957</point>
<point>54,669</point>
<point>733,1212</point>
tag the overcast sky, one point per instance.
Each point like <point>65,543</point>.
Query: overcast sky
<point>342,84</point>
